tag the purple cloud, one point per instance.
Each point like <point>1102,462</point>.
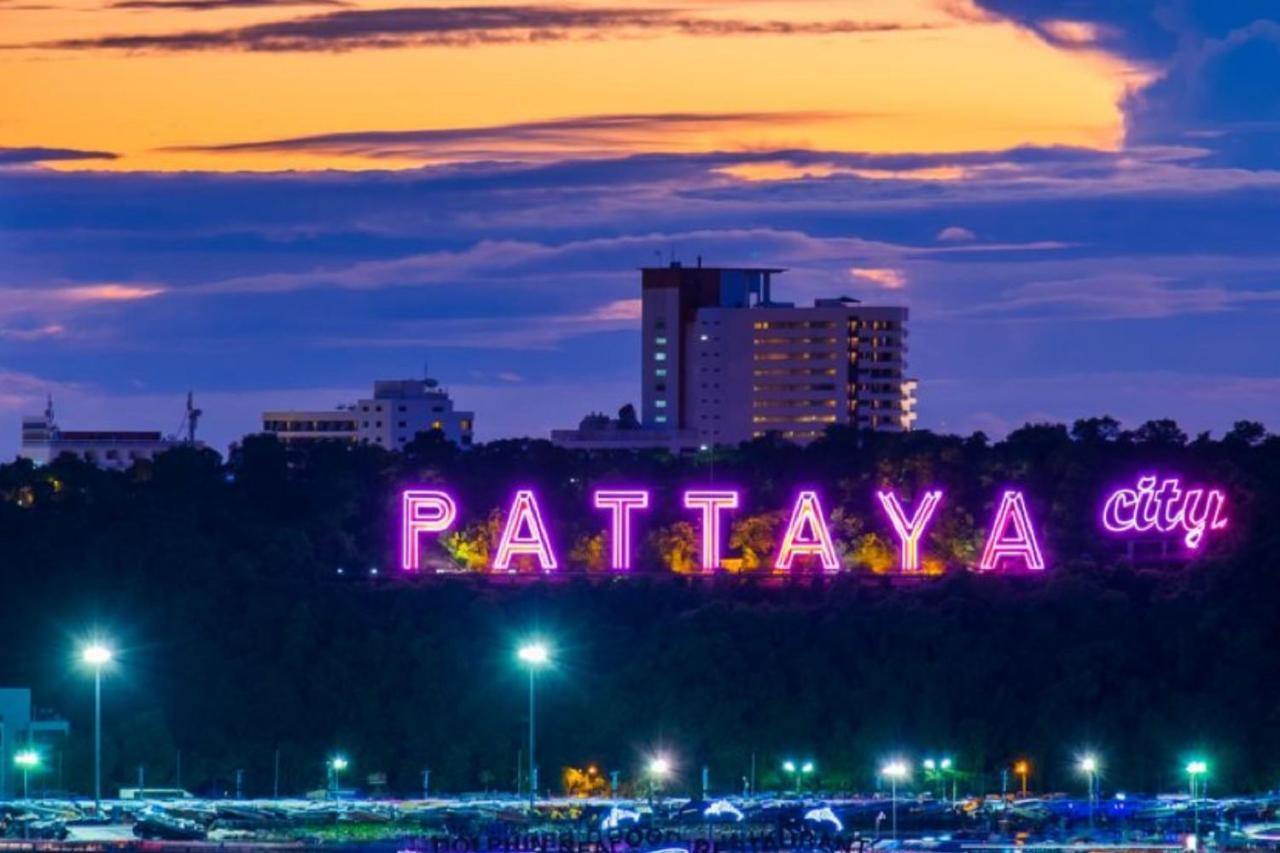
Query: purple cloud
<point>545,139</point>
<point>24,156</point>
<point>206,5</point>
<point>1214,66</point>
<point>282,287</point>
<point>458,26</point>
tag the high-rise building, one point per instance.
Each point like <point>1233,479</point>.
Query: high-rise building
<point>725,362</point>
<point>398,410</point>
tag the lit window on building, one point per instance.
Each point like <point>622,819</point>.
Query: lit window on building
<point>659,356</point>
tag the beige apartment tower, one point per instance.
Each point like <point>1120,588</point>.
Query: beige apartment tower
<point>725,362</point>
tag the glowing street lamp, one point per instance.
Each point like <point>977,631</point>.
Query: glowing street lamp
<point>799,771</point>
<point>937,770</point>
<point>28,760</point>
<point>97,655</point>
<point>893,771</point>
<point>1089,767</point>
<point>1023,768</point>
<point>336,765</point>
<point>659,770</point>
<point>534,654</point>
<point>1195,769</point>
<point>944,766</point>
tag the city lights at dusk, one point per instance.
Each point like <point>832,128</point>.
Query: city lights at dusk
<point>739,426</point>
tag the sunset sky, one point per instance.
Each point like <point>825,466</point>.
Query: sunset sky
<point>273,202</point>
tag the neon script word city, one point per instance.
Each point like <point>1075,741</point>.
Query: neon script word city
<point>1154,508</point>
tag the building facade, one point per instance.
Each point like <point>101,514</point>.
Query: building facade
<point>723,361</point>
<point>22,727</point>
<point>397,411</point>
<point>44,441</point>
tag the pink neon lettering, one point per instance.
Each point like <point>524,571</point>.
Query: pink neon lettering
<point>807,534</point>
<point>910,530</point>
<point>711,502</point>
<point>1018,544</point>
<point>524,533</point>
<point>620,503</point>
<point>1165,508</point>
<point>1120,512</point>
<point>422,511</point>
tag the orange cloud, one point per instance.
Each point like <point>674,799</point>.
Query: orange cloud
<point>52,330</point>
<point>108,292</point>
<point>621,309</point>
<point>890,279</point>
<point>355,90</point>
<point>1072,32</point>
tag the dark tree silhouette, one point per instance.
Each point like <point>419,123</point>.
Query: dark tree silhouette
<point>256,608</point>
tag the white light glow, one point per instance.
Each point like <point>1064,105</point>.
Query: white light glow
<point>96,655</point>
<point>534,654</point>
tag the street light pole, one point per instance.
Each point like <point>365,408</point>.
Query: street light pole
<point>893,793</point>
<point>97,655</point>
<point>534,655</point>
<point>97,739</point>
<point>894,770</point>
<point>533,765</point>
<point>26,759</point>
<point>1194,769</point>
<point>1089,765</point>
<point>336,765</point>
<point>659,769</point>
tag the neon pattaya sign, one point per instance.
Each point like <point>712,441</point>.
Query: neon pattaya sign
<point>1156,507</point>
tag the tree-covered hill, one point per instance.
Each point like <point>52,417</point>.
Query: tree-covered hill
<point>242,597</point>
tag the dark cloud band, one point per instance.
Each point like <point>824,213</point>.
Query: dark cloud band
<point>456,26</point>
<point>559,135</point>
<point>21,156</point>
<point>207,5</point>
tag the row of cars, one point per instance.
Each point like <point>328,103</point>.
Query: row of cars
<point>1054,817</point>
<point>1051,818</point>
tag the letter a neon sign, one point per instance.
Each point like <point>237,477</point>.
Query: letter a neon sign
<point>807,534</point>
<point>524,533</point>
<point>1016,544</point>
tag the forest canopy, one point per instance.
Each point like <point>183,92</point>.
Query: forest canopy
<point>257,607</point>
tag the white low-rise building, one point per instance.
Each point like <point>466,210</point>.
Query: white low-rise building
<point>392,417</point>
<point>43,441</point>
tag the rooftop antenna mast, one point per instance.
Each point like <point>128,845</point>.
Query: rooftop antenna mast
<point>191,419</point>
